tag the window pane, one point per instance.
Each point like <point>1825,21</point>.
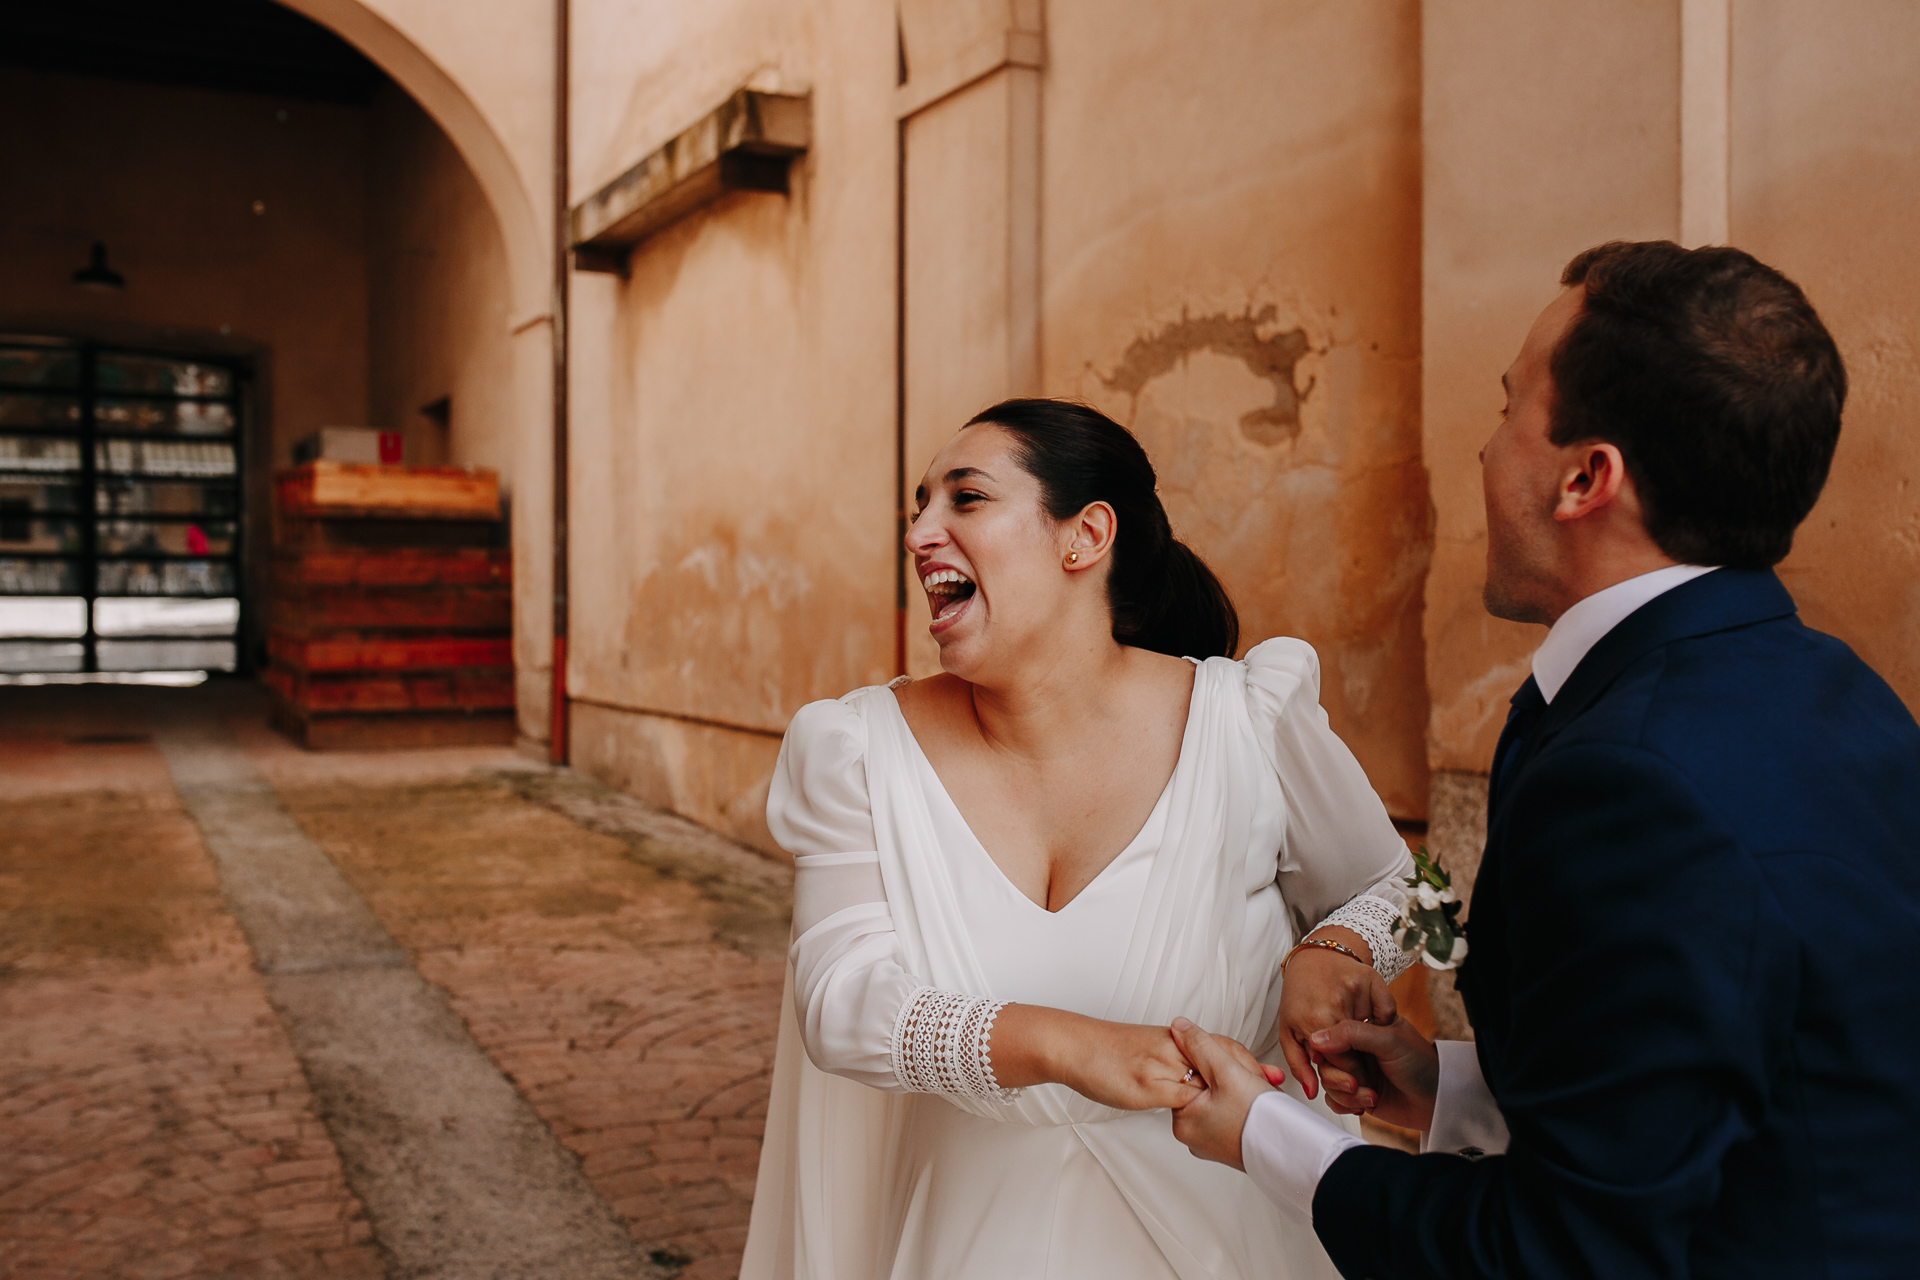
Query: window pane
<point>167,655</point>
<point>39,367</point>
<point>38,577</point>
<point>118,496</point>
<point>171,537</point>
<point>29,410</point>
<point>158,373</point>
<point>166,617</point>
<point>161,457</point>
<point>164,417</point>
<point>29,655</point>
<point>22,531</point>
<point>165,578</point>
<point>43,616</point>
<point>45,453</point>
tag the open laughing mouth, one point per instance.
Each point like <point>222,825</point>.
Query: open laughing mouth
<point>948,591</point>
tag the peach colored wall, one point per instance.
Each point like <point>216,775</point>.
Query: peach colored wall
<point>732,410</point>
<point>1579,141</point>
<point>1230,236</point>
<point>438,292</point>
<point>1545,129</point>
<point>1825,179</point>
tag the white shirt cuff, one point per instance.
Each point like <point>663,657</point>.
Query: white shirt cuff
<point>1466,1119</point>
<point>1286,1147</point>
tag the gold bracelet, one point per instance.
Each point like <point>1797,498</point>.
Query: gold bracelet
<point>1325,944</point>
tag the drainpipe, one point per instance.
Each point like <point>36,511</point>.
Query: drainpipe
<point>557,742</point>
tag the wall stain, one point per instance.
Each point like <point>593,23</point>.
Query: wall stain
<point>1236,337</point>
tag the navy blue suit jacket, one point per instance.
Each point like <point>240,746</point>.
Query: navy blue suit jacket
<point>1690,978</point>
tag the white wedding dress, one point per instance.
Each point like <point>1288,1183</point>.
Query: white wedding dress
<point>1266,827</point>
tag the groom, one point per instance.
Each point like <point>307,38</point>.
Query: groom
<point>1694,926</point>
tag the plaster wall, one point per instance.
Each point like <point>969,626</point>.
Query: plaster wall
<point>1825,175</point>
<point>1230,241</point>
<point>438,295</point>
<point>732,450</point>
<point>1545,130</point>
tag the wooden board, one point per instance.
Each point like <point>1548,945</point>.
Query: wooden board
<point>317,609</point>
<point>323,487</point>
<point>402,731</point>
<point>363,652</point>
<point>409,567</point>
<point>481,689</point>
<point>295,532</point>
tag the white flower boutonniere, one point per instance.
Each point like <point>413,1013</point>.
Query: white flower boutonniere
<point>1431,927</point>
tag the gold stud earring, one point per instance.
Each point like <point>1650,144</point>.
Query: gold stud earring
<point>1073,557</point>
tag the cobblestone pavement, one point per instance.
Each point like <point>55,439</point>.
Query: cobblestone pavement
<point>589,968</point>
<point>153,1117</point>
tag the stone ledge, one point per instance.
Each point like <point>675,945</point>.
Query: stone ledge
<point>744,144</point>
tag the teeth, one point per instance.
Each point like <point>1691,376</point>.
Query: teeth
<point>943,578</point>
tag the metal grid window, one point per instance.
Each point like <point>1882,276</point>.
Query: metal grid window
<point>119,509</point>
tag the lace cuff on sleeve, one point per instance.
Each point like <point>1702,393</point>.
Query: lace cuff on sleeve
<point>941,1045</point>
<point>1376,920</point>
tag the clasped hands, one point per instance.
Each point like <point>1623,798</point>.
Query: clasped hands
<point>1339,1031</point>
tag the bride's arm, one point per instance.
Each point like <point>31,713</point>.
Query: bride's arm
<point>864,1016</point>
<point>1342,865</point>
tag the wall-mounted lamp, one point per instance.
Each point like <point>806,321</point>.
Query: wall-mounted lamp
<point>97,274</point>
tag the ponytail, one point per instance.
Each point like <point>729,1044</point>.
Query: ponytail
<point>1163,597</point>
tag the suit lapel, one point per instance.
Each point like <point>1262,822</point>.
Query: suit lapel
<point>1717,601</point>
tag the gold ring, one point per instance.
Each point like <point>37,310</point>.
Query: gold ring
<point>1190,1077</point>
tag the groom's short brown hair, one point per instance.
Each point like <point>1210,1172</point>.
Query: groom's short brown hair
<point>1714,377</point>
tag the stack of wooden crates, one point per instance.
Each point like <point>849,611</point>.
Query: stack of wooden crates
<point>390,607</point>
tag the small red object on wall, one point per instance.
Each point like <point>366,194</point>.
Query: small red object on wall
<point>389,447</point>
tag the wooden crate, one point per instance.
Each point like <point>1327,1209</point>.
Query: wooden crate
<point>391,607</point>
<point>297,533</point>
<point>363,651</point>
<point>479,689</point>
<point>361,731</point>
<point>408,567</point>
<point>358,489</point>
<point>318,609</point>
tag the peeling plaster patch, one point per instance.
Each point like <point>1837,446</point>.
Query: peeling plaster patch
<point>1271,358</point>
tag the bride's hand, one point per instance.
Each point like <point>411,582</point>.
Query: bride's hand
<point>1119,1064</point>
<point>1324,988</point>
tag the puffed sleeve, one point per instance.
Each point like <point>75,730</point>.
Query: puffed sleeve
<point>1341,861</point>
<point>848,984</point>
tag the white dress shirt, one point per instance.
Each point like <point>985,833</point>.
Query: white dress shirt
<point>1285,1146</point>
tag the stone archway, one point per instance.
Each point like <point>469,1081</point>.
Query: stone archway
<point>489,89</point>
<point>466,123</point>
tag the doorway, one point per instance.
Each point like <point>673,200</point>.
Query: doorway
<point>120,509</point>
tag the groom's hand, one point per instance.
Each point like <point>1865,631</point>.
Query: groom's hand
<point>1405,1071</point>
<point>1210,1125</point>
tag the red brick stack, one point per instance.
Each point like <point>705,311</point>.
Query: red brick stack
<point>391,607</point>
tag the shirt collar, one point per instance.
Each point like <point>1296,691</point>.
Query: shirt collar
<point>1583,626</point>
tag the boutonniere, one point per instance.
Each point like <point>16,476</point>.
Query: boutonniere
<point>1431,927</point>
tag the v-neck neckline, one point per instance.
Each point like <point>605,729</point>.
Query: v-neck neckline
<point>940,788</point>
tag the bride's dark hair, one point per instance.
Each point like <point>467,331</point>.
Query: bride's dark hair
<point>1163,596</point>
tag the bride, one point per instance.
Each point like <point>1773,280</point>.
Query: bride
<point>1012,876</point>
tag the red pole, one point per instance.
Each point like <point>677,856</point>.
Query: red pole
<point>557,745</point>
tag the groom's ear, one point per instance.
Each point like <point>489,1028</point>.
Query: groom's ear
<point>1593,478</point>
